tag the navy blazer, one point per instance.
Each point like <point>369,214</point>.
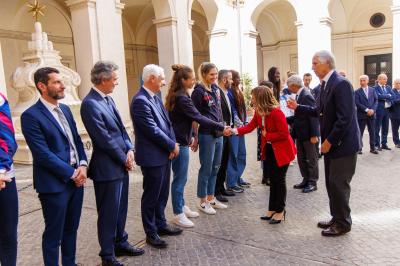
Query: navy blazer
<point>304,126</point>
<point>154,135</point>
<point>394,110</point>
<point>315,92</point>
<point>362,102</point>
<point>337,113</point>
<point>110,140</point>
<point>382,96</point>
<point>50,147</point>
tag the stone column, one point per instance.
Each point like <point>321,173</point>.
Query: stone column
<point>167,39</point>
<point>308,43</point>
<point>396,39</point>
<point>249,55</point>
<point>3,88</point>
<point>96,38</point>
<point>220,53</point>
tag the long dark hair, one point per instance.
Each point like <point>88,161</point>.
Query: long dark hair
<point>239,97</point>
<point>181,72</point>
<point>276,83</point>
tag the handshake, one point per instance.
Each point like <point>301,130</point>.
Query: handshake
<point>228,131</point>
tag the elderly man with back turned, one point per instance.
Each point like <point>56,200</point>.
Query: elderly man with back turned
<point>340,137</point>
<point>305,130</point>
<point>156,146</point>
<point>112,158</point>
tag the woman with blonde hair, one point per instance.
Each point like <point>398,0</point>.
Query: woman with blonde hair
<point>182,113</point>
<point>277,148</point>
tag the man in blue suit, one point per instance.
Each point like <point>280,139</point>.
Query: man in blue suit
<point>59,166</point>
<point>394,112</point>
<point>367,102</point>
<point>111,160</point>
<point>382,112</point>
<point>340,137</point>
<point>155,147</point>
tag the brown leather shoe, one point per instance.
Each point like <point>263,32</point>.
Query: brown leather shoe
<point>325,224</point>
<point>335,230</point>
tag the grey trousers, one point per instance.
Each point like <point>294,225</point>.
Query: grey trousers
<point>307,158</point>
<point>338,175</point>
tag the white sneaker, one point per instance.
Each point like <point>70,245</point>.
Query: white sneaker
<point>206,208</point>
<point>189,213</point>
<point>182,220</point>
<point>217,205</point>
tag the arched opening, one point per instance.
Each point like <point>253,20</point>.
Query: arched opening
<point>200,40</point>
<point>277,43</point>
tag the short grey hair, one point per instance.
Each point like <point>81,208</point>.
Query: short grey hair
<point>102,70</point>
<point>396,80</point>
<point>152,70</point>
<point>382,75</point>
<point>364,77</point>
<point>295,80</point>
<point>327,57</point>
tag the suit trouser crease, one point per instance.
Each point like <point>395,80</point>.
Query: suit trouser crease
<point>61,212</point>
<point>395,130</point>
<point>381,122</point>
<point>338,175</point>
<point>9,224</point>
<point>111,215</point>
<point>156,182</point>
<point>308,161</point>
<point>277,175</point>
<point>370,124</point>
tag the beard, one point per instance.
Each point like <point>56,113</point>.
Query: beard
<point>56,95</point>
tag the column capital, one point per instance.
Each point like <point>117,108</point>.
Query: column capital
<point>119,6</point>
<point>298,23</point>
<point>251,33</point>
<point>191,23</point>
<point>395,9</point>
<point>78,4</point>
<point>163,22</point>
<point>217,33</point>
<point>327,21</point>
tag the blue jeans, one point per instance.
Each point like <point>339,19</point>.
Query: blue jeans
<point>210,153</point>
<point>236,162</point>
<point>180,167</point>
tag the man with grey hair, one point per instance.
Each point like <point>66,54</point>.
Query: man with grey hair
<point>112,158</point>
<point>155,146</point>
<point>366,101</point>
<point>305,130</point>
<point>340,137</point>
<point>394,112</point>
<point>382,112</point>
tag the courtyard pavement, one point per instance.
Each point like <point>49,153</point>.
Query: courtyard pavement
<point>237,236</point>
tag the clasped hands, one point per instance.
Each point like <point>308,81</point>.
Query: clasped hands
<point>228,131</point>
<point>130,161</point>
<point>175,152</point>
<point>3,180</point>
<point>80,176</point>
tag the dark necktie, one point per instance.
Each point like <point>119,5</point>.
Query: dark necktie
<point>322,95</point>
<point>383,89</point>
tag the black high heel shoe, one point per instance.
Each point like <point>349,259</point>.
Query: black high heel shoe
<point>267,218</point>
<point>273,221</point>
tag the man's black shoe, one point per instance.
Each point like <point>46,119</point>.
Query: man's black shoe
<point>235,189</point>
<point>359,152</point>
<point>129,250</point>
<point>111,262</point>
<point>385,147</point>
<point>169,231</point>
<point>156,241</point>
<point>335,230</point>
<point>227,193</point>
<point>379,148</point>
<point>325,224</point>
<point>221,198</point>
<point>301,185</point>
<point>374,151</point>
<point>309,188</point>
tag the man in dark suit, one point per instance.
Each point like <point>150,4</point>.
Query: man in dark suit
<point>305,130</point>
<point>367,102</point>
<point>59,166</point>
<point>224,83</point>
<point>315,93</point>
<point>155,148</point>
<point>111,160</point>
<point>340,137</point>
<point>382,112</point>
<point>394,112</point>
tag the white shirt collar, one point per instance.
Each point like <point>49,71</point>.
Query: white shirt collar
<point>152,94</point>
<point>48,105</point>
<point>327,76</point>
<point>102,94</point>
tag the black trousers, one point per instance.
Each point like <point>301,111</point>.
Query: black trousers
<point>277,196</point>
<point>370,123</point>
<point>338,175</point>
<point>308,161</point>
<point>395,130</point>
<point>221,176</point>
